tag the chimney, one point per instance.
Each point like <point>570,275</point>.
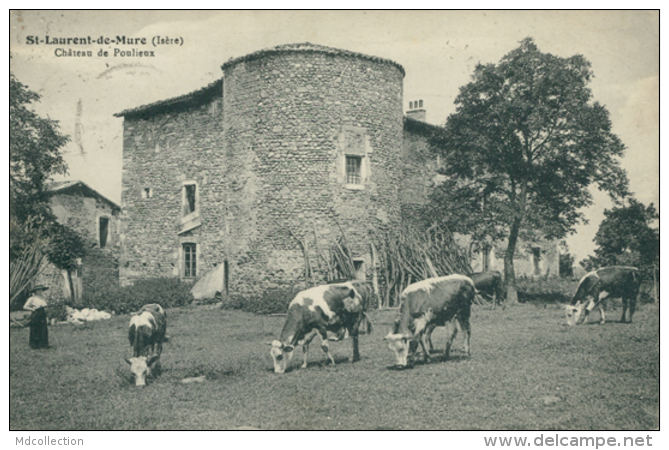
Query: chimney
<point>416,110</point>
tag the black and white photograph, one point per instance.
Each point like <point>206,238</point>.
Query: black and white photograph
<point>272,220</point>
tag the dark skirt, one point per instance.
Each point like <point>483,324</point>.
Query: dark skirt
<point>39,332</point>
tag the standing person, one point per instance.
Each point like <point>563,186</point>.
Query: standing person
<point>39,332</point>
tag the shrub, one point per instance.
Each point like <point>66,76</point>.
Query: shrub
<point>646,291</point>
<point>560,290</point>
<point>168,292</point>
<point>56,311</point>
<point>545,289</point>
<point>270,302</point>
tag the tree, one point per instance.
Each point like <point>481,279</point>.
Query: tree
<point>34,155</point>
<point>566,260</point>
<point>525,143</point>
<point>625,236</point>
<point>590,263</point>
<point>566,265</point>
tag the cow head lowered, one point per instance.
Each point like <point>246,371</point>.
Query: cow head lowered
<point>599,285</point>
<point>281,355</point>
<point>146,333</point>
<point>399,345</point>
<point>575,313</point>
<point>443,301</point>
<point>141,368</point>
<point>314,312</point>
<point>405,344</point>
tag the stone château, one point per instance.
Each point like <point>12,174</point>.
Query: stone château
<point>296,142</point>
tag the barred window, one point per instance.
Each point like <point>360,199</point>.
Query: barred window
<point>190,260</point>
<point>353,164</point>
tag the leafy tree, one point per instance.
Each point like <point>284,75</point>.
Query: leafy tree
<point>523,146</point>
<point>566,265</point>
<point>590,263</point>
<point>34,155</point>
<point>65,247</point>
<point>625,236</point>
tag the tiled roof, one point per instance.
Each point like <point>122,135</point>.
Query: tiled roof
<point>192,98</point>
<point>79,187</point>
<point>307,47</point>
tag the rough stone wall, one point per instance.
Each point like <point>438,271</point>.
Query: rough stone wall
<point>419,171</point>
<point>290,119</point>
<point>100,265</point>
<point>82,215</point>
<point>160,153</point>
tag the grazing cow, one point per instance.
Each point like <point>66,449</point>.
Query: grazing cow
<point>332,307</point>
<point>146,333</point>
<point>443,301</point>
<point>490,284</point>
<point>608,282</point>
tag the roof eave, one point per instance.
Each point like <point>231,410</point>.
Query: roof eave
<point>93,192</point>
<point>194,98</point>
<point>313,49</point>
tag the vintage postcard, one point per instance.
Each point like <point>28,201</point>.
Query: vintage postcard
<point>243,183</point>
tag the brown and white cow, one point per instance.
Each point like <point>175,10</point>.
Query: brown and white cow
<point>146,334</point>
<point>443,301</point>
<point>331,307</point>
<point>490,284</point>
<point>599,285</point>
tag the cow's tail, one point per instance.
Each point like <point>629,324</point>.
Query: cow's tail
<point>365,324</point>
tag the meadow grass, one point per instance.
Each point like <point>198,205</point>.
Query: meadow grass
<point>527,371</point>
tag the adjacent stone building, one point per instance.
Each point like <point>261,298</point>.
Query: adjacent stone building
<point>95,219</point>
<point>292,148</point>
<point>537,258</point>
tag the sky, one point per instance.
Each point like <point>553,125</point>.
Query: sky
<point>438,49</point>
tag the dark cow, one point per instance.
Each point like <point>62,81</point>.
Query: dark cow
<point>490,284</point>
<point>444,301</point>
<point>357,321</point>
<point>608,282</point>
<point>146,334</point>
<point>332,307</point>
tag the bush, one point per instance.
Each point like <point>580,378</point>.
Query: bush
<point>270,302</point>
<point>56,311</point>
<point>647,292</point>
<point>545,289</point>
<point>168,292</point>
<point>561,290</point>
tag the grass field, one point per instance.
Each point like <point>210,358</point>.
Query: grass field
<point>527,371</point>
